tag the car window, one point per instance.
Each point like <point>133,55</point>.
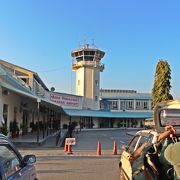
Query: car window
<point>142,140</point>
<point>150,139</point>
<point>145,138</point>
<point>132,144</point>
<point>10,161</point>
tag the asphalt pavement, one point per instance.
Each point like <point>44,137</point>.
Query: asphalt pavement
<point>83,163</point>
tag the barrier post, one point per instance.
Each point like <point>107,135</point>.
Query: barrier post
<point>69,149</point>
<point>98,149</point>
<point>115,148</point>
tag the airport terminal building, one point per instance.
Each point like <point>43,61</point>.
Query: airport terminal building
<point>26,100</point>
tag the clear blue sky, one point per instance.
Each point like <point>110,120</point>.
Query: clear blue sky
<point>40,34</point>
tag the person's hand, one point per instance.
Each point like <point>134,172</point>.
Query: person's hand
<point>170,128</point>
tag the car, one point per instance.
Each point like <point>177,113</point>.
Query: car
<point>144,157</point>
<point>14,166</point>
<point>141,137</point>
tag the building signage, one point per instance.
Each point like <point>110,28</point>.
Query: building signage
<point>64,100</point>
<point>70,141</point>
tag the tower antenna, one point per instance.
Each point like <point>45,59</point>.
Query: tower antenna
<point>84,45</point>
<point>93,42</point>
<point>79,45</point>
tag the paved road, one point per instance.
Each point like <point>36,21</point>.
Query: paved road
<point>78,168</point>
<point>83,164</point>
<point>87,140</point>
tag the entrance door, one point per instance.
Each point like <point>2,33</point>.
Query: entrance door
<point>87,122</point>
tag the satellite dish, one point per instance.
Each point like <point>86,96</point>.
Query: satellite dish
<point>52,89</point>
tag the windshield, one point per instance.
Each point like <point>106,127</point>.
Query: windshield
<point>170,117</point>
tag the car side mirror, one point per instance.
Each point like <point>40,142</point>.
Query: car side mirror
<point>29,159</point>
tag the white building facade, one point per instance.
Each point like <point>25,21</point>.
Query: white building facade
<point>25,99</point>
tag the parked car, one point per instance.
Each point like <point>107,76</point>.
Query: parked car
<point>14,166</point>
<point>145,156</point>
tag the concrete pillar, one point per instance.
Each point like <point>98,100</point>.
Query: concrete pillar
<point>118,104</point>
<point>134,104</point>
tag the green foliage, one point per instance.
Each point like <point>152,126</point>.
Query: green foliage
<point>14,127</point>
<point>23,127</point>
<point>4,129</point>
<point>162,84</point>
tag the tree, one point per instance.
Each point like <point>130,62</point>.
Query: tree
<point>162,84</point>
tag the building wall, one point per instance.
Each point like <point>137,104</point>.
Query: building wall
<point>96,83</point>
<point>12,100</point>
<point>80,75</point>
<point>64,120</point>
<point>126,100</point>
<point>88,83</point>
<point>17,106</point>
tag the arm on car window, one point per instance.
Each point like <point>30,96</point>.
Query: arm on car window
<point>138,152</point>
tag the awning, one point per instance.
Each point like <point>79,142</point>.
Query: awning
<point>11,88</point>
<point>107,114</point>
<point>42,101</point>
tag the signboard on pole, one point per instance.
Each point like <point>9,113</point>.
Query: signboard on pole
<point>70,141</point>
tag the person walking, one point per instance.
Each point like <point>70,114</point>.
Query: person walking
<point>70,130</point>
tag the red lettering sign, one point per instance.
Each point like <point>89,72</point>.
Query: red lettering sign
<point>64,100</point>
<point>70,141</point>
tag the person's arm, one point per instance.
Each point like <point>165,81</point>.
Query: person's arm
<point>138,152</point>
<point>169,130</point>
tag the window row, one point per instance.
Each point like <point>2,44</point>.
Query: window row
<point>130,105</point>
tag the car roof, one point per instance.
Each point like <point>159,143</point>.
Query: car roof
<point>3,139</point>
<point>149,131</point>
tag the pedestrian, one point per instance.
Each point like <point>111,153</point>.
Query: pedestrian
<point>70,129</point>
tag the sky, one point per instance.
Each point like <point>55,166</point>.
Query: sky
<point>39,35</point>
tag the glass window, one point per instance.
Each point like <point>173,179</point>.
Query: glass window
<point>150,139</point>
<point>11,163</point>
<point>122,105</point>
<point>132,144</point>
<point>114,104</point>
<point>129,105</point>
<point>142,104</point>
<point>145,105</point>
<point>138,105</point>
<point>142,140</point>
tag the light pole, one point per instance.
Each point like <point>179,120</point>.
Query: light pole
<point>38,102</point>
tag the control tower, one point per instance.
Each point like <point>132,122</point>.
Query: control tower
<point>87,64</point>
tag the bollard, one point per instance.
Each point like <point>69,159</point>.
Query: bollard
<point>69,151</point>
<point>98,149</point>
<point>115,148</point>
<point>65,147</point>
